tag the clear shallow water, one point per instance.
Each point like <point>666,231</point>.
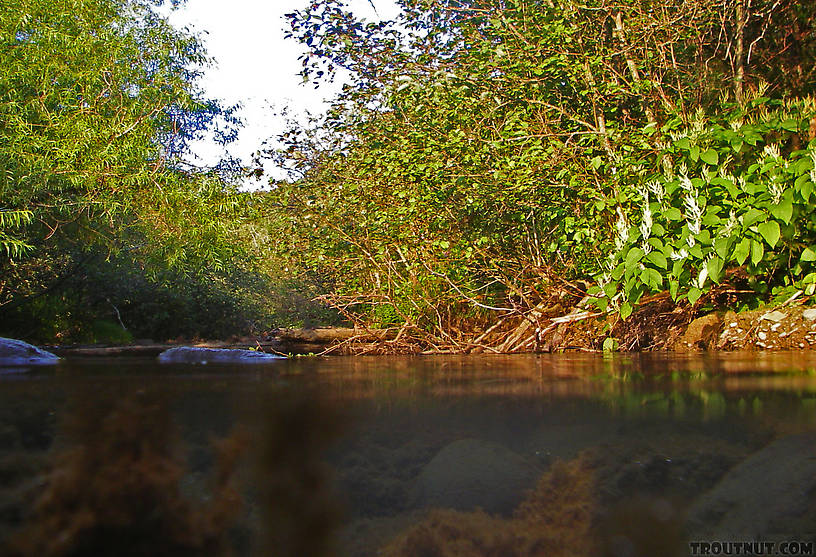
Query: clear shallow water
<point>519,455</point>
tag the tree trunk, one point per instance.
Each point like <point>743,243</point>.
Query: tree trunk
<point>739,74</point>
<point>630,63</point>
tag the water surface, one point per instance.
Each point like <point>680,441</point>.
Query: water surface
<point>488,455</point>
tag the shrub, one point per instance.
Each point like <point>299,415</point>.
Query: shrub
<point>726,192</point>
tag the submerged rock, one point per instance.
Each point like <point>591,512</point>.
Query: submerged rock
<point>769,495</point>
<point>473,473</point>
<point>195,355</point>
<point>16,353</point>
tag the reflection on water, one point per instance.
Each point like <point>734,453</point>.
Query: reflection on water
<point>517,455</point>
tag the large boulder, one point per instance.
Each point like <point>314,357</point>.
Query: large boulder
<point>770,495</point>
<point>16,353</point>
<point>473,473</point>
<point>196,355</point>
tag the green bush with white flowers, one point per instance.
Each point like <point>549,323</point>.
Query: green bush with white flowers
<point>737,191</point>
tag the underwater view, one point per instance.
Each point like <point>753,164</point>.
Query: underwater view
<point>523,455</point>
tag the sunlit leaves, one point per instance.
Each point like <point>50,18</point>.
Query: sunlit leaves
<point>746,214</point>
<point>98,103</point>
<point>710,156</point>
<point>757,252</point>
<point>742,251</point>
<point>714,267</point>
<point>528,124</point>
<point>770,232</point>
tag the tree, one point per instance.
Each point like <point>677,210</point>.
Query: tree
<point>98,102</point>
<point>485,149</point>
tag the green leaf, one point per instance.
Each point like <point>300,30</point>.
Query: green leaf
<point>715,267</point>
<point>656,243</point>
<point>790,125</point>
<point>757,251</point>
<point>770,232</point>
<point>673,213</point>
<point>710,156</point>
<point>633,257</point>
<point>693,295</point>
<point>808,254</point>
<point>800,181</point>
<point>742,251</point>
<point>674,286</point>
<point>677,267</point>
<point>694,153</point>
<point>704,237</point>
<point>711,219</point>
<point>752,216</point>
<point>682,143</point>
<point>807,190</point>
<point>722,247</point>
<point>658,259</point>
<point>651,278</point>
<point>783,211</point>
<point>625,310</point>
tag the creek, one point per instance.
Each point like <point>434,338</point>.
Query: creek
<point>571,454</point>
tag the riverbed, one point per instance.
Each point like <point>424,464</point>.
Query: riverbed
<point>402,456</point>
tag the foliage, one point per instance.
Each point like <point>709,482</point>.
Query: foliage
<point>97,98</point>
<point>9,220</point>
<point>484,150</point>
<point>724,193</point>
<point>114,299</point>
<point>98,211</point>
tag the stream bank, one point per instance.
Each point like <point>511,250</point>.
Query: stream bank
<point>656,326</point>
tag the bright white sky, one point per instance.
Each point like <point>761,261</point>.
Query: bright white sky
<point>256,67</point>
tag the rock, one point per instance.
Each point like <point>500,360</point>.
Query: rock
<point>702,333</point>
<point>775,316</point>
<point>768,495</point>
<point>195,355</point>
<point>472,473</point>
<point>809,314</point>
<point>16,353</point>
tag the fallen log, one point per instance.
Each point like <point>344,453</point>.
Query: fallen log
<point>281,341</point>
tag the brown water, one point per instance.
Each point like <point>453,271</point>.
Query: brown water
<point>489,455</point>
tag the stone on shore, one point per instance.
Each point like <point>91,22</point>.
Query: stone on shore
<point>701,334</point>
<point>196,355</point>
<point>16,353</point>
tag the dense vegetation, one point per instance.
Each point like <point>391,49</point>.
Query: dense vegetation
<point>488,153</point>
<point>105,233</point>
<point>485,159</point>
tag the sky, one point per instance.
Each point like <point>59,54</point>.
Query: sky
<point>256,67</point>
